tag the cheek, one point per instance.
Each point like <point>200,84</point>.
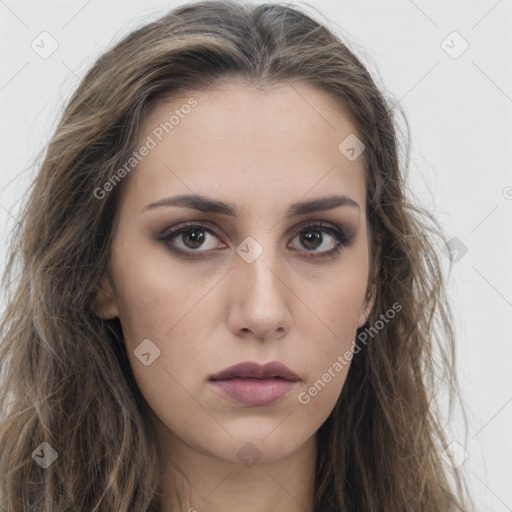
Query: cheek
<point>331,307</point>
<point>331,333</point>
<point>328,360</point>
<point>155,294</point>
<point>165,322</point>
<point>180,358</point>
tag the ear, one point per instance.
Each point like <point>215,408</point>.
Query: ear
<point>104,303</point>
<point>367,305</point>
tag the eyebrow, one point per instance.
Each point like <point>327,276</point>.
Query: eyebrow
<point>208,205</point>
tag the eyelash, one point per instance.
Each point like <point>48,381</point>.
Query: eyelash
<point>344,239</point>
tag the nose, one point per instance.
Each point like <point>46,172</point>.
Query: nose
<point>259,298</point>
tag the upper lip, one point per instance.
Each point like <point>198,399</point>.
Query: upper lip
<point>254,370</point>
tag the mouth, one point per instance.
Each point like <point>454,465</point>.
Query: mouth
<point>255,385</point>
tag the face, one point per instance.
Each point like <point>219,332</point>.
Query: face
<point>246,274</point>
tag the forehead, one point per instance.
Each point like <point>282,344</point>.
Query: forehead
<point>247,145</point>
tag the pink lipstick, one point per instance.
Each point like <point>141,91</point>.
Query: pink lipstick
<point>254,384</point>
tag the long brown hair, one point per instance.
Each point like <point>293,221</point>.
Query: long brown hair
<point>66,377</point>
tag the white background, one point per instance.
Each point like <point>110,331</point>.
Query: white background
<point>460,113</point>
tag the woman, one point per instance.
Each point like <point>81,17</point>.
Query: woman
<point>225,300</point>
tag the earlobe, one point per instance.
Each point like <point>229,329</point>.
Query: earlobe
<point>104,302</point>
<point>367,306</point>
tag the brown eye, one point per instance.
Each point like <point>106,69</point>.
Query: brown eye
<point>311,239</point>
<point>315,236</point>
<point>190,240</point>
<point>195,240</point>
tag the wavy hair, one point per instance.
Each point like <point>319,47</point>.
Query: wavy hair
<point>66,376</point>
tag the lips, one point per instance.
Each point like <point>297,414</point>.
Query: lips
<point>255,385</point>
<point>256,371</point>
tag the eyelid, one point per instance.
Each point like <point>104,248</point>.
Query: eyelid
<point>206,225</point>
<point>345,237</point>
<point>210,226</point>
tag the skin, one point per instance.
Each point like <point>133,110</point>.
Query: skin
<point>261,151</point>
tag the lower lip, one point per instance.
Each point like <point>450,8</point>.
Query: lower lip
<point>254,392</point>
